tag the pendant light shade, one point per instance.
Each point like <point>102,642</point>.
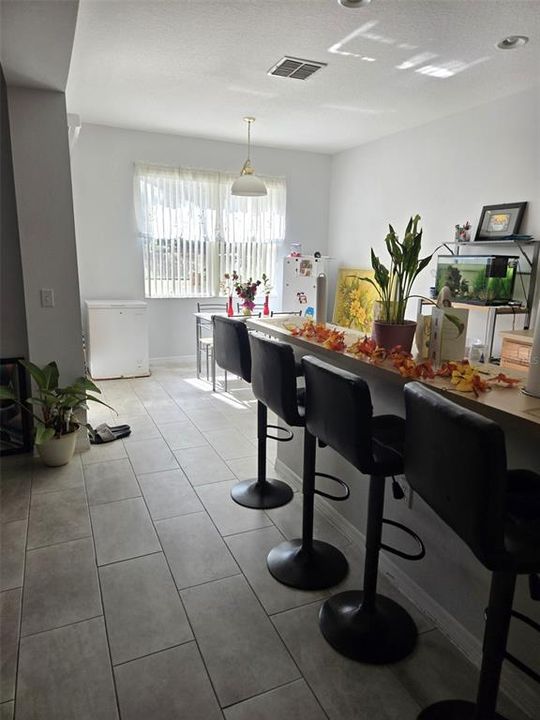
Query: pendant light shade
<point>248,184</point>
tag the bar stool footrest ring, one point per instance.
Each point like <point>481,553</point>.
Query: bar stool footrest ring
<point>286,438</point>
<point>406,556</point>
<point>452,710</point>
<point>337,498</point>
<point>514,660</point>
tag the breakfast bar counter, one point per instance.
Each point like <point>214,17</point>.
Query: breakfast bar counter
<point>499,402</point>
<point>449,584</point>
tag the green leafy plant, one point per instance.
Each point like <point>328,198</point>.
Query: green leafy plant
<point>394,284</point>
<point>57,404</point>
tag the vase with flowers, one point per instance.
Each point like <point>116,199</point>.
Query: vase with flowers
<point>246,291</point>
<point>267,289</point>
<point>227,285</point>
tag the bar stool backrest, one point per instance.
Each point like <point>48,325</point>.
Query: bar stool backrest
<point>339,411</point>
<point>274,377</point>
<point>455,459</point>
<point>231,346</point>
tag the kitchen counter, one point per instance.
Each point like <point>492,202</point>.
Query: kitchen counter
<point>499,401</point>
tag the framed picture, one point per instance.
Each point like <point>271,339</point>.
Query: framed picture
<point>353,305</point>
<point>15,424</point>
<point>499,221</point>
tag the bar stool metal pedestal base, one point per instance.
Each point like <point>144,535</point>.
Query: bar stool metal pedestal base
<point>361,624</point>
<point>320,567</point>
<point>453,710</point>
<point>305,563</point>
<point>385,634</point>
<point>262,494</point>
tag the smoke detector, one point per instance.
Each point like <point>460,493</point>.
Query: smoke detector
<point>354,3</point>
<point>295,68</point>
<point>512,42</point>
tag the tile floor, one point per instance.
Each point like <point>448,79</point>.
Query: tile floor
<point>133,587</point>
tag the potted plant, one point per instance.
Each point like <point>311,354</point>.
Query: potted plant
<point>394,286</point>
<point>56,426</point>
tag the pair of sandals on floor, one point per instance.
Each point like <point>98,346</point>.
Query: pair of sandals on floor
<point>107,433</point>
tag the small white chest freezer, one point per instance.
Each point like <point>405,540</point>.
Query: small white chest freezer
<point>117,339</point>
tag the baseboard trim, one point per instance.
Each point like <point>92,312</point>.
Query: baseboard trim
<point>174,358</point>
<point>512,683</point>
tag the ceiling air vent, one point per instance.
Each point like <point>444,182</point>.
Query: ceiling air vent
<point>296,68</point>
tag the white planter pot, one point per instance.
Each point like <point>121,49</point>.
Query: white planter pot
<point>58,451</point>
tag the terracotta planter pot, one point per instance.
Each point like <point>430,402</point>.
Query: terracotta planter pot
<point>388,335</point>
<point>58,451</point>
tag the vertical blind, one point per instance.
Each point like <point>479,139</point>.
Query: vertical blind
<point>193,230</point>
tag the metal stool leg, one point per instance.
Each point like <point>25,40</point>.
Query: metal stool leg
<point>363,625</point>
<point>495,637</point>
<point>261,493</point>
<point>306,563</point>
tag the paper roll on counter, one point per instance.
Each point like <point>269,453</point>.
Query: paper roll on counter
<point>320,314</point>
<point>532,386</point>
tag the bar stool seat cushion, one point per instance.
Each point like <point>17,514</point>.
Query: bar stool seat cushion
<point>522,526</point>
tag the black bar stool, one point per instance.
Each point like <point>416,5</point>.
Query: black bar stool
<point>307,564</point>
<point>455,459</point>
<point>233,353</point>
<point>361,625</point>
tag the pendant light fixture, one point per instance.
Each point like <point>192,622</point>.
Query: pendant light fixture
<point>248,184</point>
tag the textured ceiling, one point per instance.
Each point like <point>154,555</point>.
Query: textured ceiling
<point>196,67</point>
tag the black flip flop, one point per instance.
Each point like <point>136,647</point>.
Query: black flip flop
<point>108,433</point>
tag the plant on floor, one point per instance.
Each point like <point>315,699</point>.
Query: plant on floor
<point>58,405</point>
<point>394,284</point>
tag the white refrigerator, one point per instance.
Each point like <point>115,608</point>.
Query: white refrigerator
<point>300,282</point>
<point>117,339</point>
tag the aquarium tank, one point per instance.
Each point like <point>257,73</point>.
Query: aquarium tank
<point>478,279</point>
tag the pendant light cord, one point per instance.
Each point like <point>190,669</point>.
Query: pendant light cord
<point>249,139</point>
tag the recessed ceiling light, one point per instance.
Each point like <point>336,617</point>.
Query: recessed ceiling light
<point>512,42</point>
<point>354,3</point>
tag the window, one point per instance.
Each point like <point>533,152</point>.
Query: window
<point>194,231</point>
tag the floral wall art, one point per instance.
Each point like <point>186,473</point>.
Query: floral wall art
<point>353,306</point>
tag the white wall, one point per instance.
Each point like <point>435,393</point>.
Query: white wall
<point>445,171</point>
<point>13,336</point>
<point>46,227</point>
<point>110,257</point>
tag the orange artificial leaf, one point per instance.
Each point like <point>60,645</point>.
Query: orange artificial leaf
<point>503,380</point>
